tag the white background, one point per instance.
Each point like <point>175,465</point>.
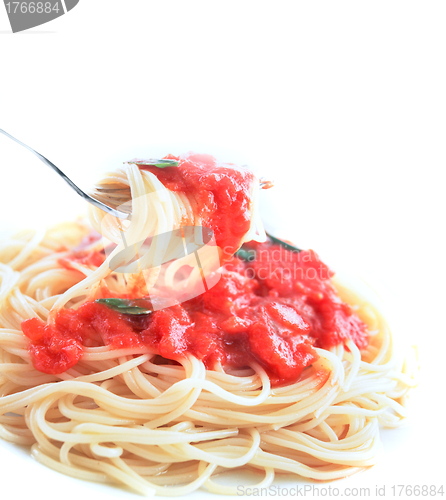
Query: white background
<point>343,104</point>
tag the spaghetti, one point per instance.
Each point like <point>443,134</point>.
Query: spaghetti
<point>128,416</point>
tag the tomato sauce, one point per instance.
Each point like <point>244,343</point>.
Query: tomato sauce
<point>92,259</point>
<point>220,195</point>
<point>273,310</point>
<point>84,256</point>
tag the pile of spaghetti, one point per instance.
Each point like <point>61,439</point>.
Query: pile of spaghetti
<point>274,368</point>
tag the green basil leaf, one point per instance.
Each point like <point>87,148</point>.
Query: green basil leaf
<point>154,163</point>
<point>245,254</point>
<point>283,244</point>
<point>124,306</point>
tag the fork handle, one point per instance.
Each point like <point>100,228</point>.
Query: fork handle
<point>79,191</point>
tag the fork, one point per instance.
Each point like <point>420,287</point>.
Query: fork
<point>112,194</point>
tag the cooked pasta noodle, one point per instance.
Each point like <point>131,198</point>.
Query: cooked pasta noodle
<point>120,416</point>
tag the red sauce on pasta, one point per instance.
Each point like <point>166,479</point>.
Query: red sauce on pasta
<point>272,311</point>
<point>220,195</point>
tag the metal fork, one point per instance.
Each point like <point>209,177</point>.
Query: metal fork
<point>106,192</point>
<point>113,195</point>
